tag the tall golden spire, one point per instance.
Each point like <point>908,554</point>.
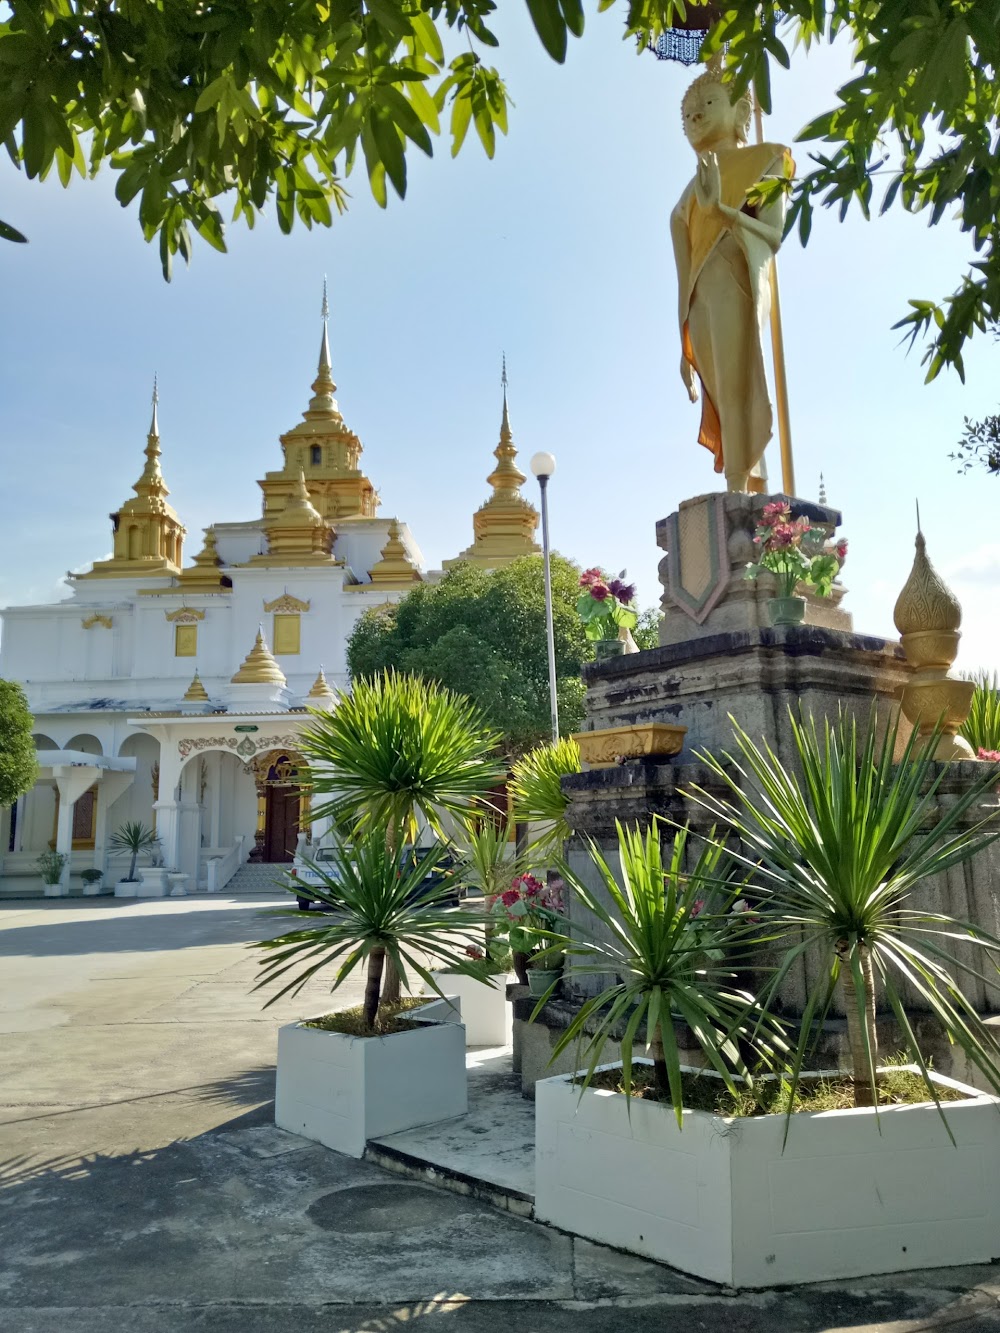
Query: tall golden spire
<point>324,449</point>
<point>503,527</point>
<point>147,533</point>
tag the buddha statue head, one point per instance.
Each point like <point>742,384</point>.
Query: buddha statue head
<point>711,119</point>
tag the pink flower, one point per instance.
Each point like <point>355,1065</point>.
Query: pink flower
<point>600,592</point>
<point>530,886</point>
<point>510,897</point>
<point>473,952</point>
<point>591,576</point>
<point>841,549</point>
<point>783,536</point>
<point>697,907</point>
<point>774,511</point>
<point>992,755</point>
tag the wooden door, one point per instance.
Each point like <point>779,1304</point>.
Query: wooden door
<point>281,824</point>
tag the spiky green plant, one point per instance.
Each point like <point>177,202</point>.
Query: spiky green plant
<point>134,837</point>
<point>536,792</point>
<point>670,936</point>
<point>395,749</point>
<point>382,911</point>
<point>486,858</point>
<point>837,853</point>
<point>982,727</point>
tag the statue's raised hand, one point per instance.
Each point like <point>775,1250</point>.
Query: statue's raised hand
<point>688,376</point>
<point>708,182</point>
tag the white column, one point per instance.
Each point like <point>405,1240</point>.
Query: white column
<point>110,787</point>
<point>215,799</point>
<point>187,853</point>
<point>71,782</point>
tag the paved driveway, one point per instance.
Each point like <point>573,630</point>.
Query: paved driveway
<point>144,1189</point>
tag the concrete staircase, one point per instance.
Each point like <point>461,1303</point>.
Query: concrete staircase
<point>258,878</point>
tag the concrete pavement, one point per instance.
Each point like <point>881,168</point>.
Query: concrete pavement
<point>144,1188</point>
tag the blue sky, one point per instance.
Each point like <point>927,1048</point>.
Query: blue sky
<point>558,252</point>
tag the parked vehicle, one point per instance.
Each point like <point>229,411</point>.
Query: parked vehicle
<point>311,867</point>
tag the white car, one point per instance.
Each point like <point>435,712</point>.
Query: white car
<point>307,870</point>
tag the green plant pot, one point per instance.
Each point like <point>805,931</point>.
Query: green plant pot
<point>786,610</point>
<point>541,978</point>
<point>607,648</point>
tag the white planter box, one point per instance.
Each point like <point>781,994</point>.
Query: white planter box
<point>152,883</point>
<point>720,1199</point>
<point>126,888</point>
<point>93,890</point>
<point>54,891</point>
<point>482,1008</point>
<point>343,1091</point>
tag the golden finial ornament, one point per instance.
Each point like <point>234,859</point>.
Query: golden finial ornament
<point>322,694</point>
<point>395,569</point>
<point>196,692</point>
<point>204,574</point>
<point>259,667</point>
<point>928,615</point>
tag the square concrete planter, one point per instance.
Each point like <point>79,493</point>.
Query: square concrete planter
<point>482,1007</point>
<point>126,888</point>
<point>152,883</point>
<point>342,1091</point>
<point>721,1200</point>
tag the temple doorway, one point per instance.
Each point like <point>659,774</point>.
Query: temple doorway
<point>281,808</point>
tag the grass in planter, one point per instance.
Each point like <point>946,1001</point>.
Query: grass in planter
<point>390,1019</point>
<point>896,1087</point>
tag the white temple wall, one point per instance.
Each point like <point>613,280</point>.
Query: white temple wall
<point>136,801</point>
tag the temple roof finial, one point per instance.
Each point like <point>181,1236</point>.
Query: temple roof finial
<point>323,386</point>
<point>822,490</point>
<point>154,425</point>
<point>505,420</point>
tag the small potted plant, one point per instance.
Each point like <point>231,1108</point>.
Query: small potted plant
<point>794,552</point>
<point>135,838</point>
<point>528,915</point>
<point>50,866</point>
<point>92,878</point>
<point>605,606</point>
<point>344,1078</point>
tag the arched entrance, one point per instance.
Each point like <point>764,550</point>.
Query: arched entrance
<point>282,806</point>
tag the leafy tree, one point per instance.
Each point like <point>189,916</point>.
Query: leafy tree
<point>18,765</point>
<point>276,100</point>
<point>979,445</point>
<point>482,634</point>
<point>647,632</point>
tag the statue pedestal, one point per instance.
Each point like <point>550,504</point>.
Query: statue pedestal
<point>708,544</point>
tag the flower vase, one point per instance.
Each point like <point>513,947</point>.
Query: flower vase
<point>786,610</point>
<point>608,648</point>
<point>541,978</point>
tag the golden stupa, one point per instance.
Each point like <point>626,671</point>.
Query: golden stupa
<point>259,667</point>
<point>196,692</point>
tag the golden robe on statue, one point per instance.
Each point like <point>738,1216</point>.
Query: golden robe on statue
<point>724,310</point>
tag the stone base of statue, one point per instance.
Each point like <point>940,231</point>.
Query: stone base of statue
<point>708,544</point>
<point>721,660</point>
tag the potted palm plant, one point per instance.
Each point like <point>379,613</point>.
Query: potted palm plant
<point>135,838</point>
<point>901,1170</point>
<point>344,1078</point>
<point>396,752</point>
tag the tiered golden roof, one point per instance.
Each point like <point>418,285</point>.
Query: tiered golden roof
<point>325,450</point>
<point>322,692</point>
<point>148,535</point>
<point>259,667</point>
<point>395,569</point>
<point>196,692</point>
<point>205,573</point>
<point>503,527</point>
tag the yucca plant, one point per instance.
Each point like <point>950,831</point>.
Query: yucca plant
<point>134,837</point>
<point>382,912</point>
<point>982,727</point>
<point>486,859</point>
<point>395,749</point>
<point>536,792</point>
<point>674,937</point>
<point>836,854</point>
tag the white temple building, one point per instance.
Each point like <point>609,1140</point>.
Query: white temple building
<point>174,695</point>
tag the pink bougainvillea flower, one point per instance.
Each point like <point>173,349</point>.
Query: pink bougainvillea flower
<point>992,755</point>
<point>600,592</point>
<point>510,897</point>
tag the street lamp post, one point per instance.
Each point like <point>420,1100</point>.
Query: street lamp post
<point>543,466</point>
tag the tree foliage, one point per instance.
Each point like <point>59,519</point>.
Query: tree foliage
<point>18,765</point>
<point>979,445</point>
<point>482,634</point>
<point>275,100</point>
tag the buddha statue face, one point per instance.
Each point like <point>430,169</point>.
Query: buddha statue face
<point>710,119</point>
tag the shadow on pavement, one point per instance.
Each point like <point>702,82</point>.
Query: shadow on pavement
<point>118,931</point>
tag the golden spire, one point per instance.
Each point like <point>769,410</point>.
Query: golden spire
<point>259,667</point>
<point>205,574</point>
<point>503,527</point>
<point>297,534</point>
<point>196,692</point>
<point>147,534</point>
<point>322,692</point>
<point>395,569</point>
<point>323,446</point>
